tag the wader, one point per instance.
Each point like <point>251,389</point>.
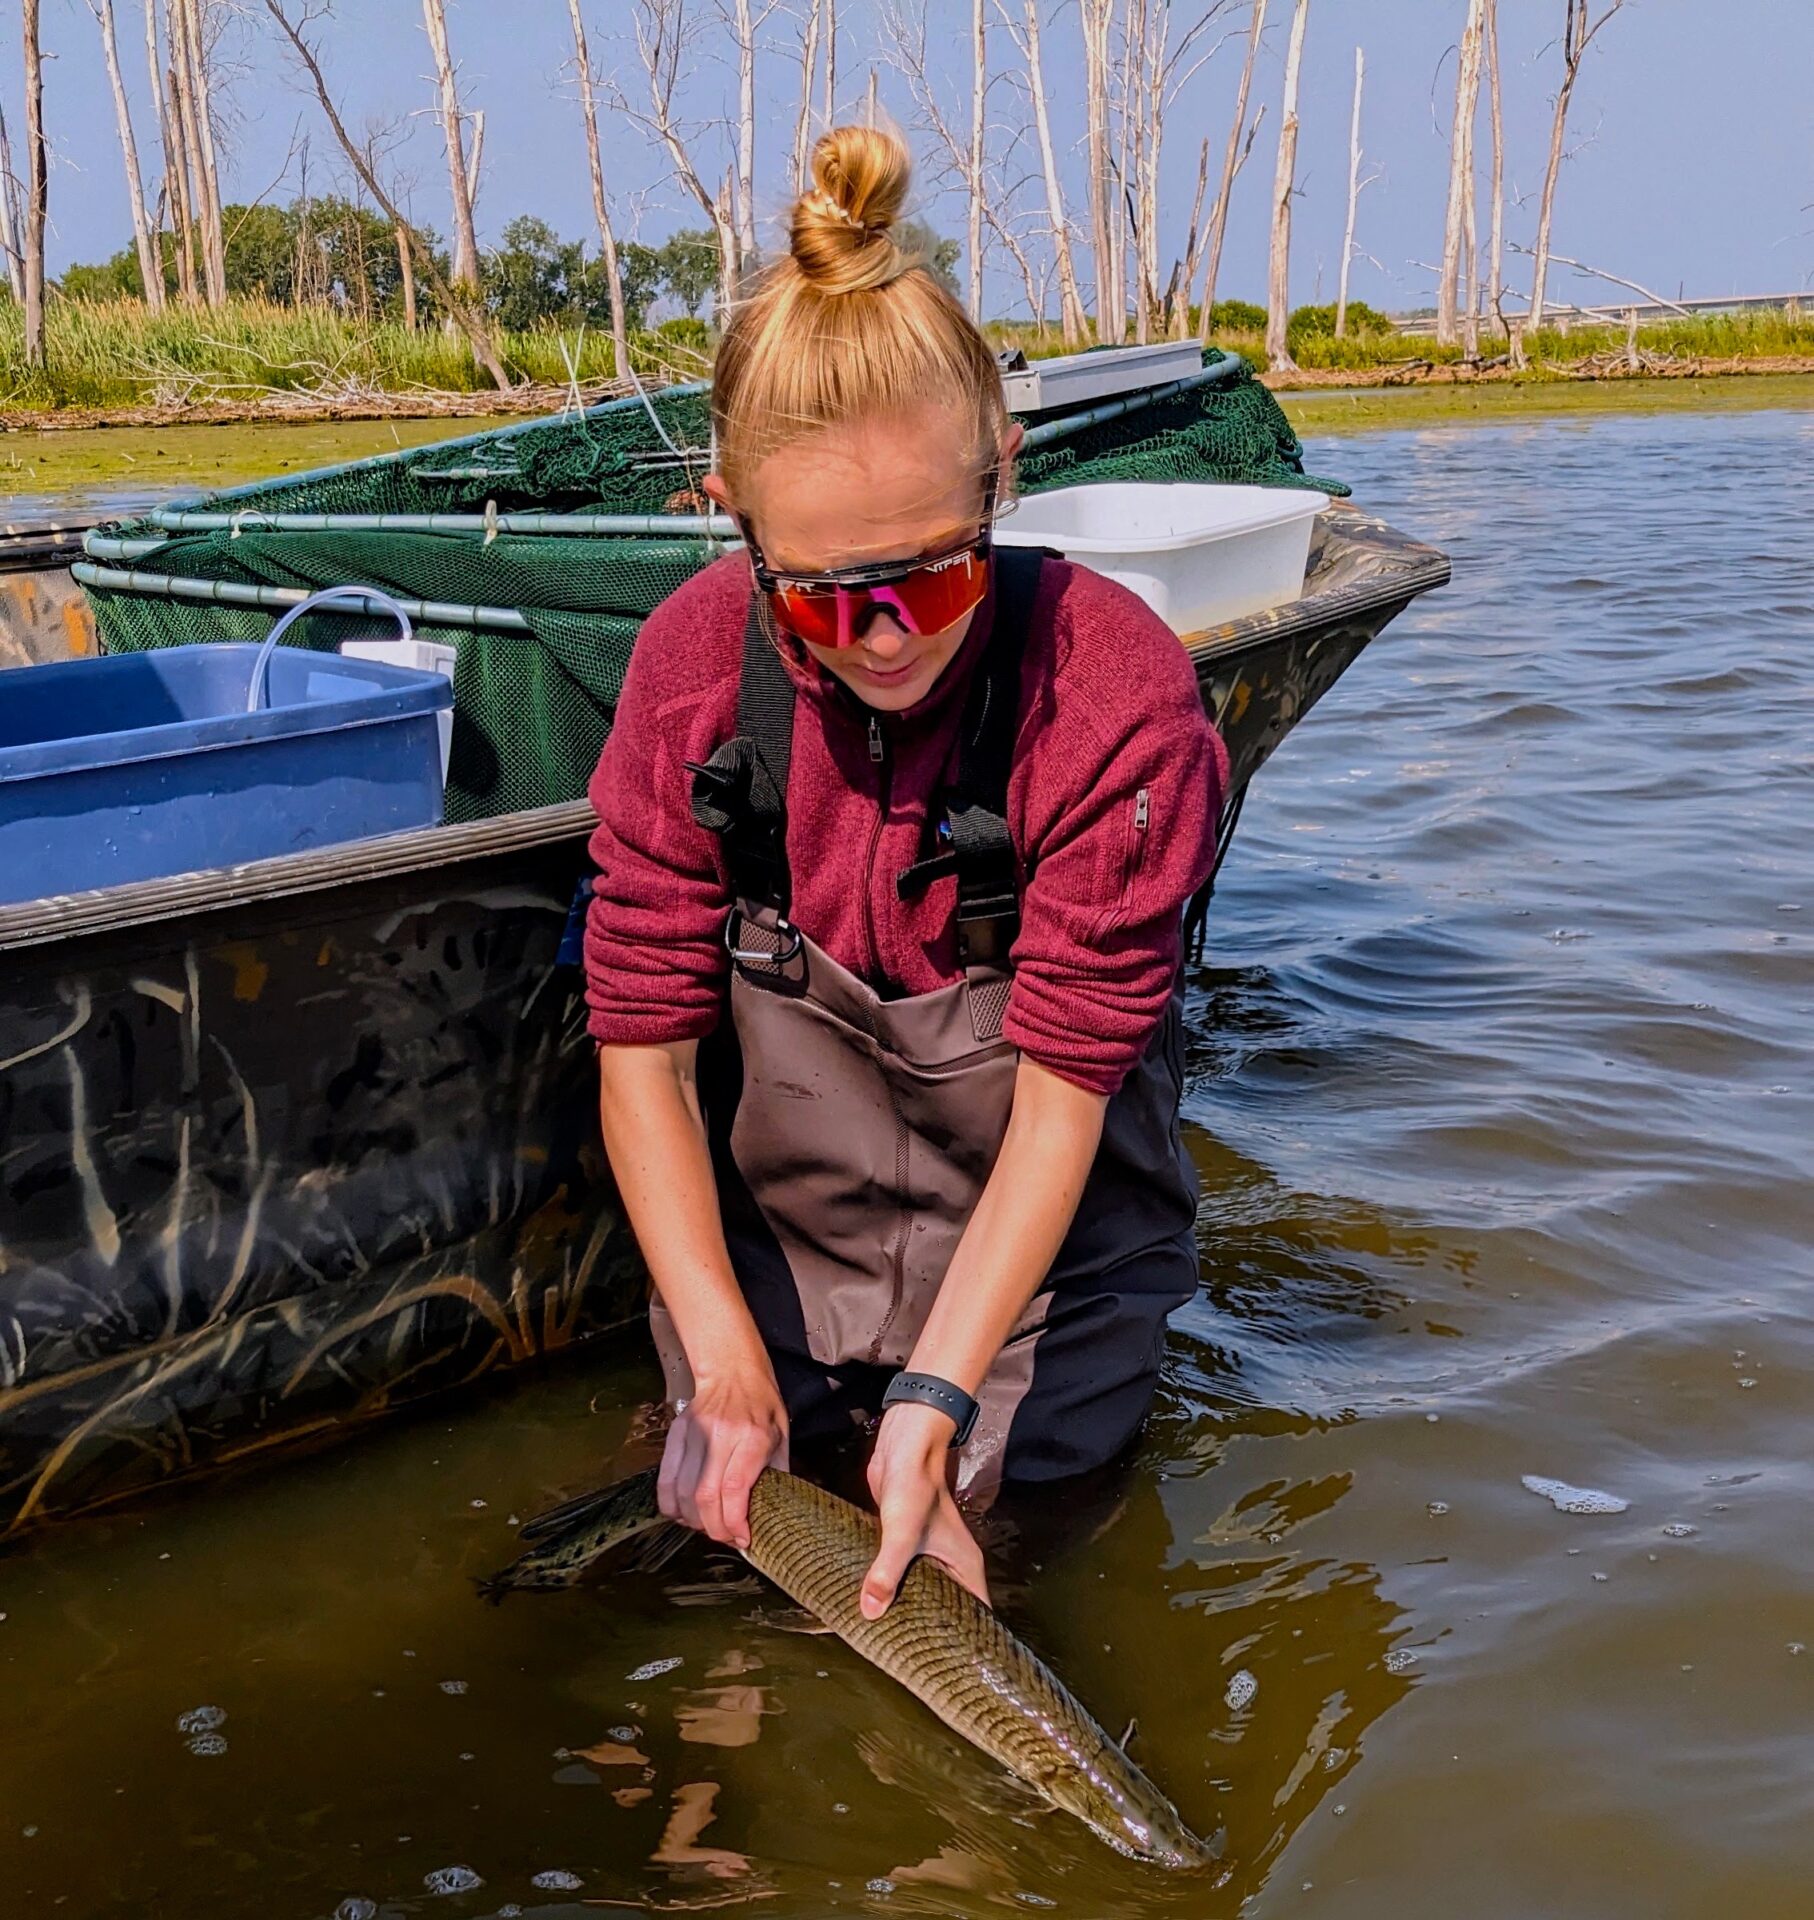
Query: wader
<point>852,1134</point>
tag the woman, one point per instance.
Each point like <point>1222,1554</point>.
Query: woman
<point>920,819</point>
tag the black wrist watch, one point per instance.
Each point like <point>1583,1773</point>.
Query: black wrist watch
<point>928,1390</point>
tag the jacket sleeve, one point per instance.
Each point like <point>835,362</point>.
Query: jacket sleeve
<point>655,960</point>
<point>1124,780</point>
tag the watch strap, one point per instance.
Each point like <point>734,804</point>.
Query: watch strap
<point>928,1390</point>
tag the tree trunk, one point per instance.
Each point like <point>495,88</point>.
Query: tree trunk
<point>1470,255</point>
<point>1495,275</point>
<point>1184,275</point>
<point>1577,34</point>
<point>11,219</point>
<point>37,190</point>
<point>1341,296</point>
<point>1278,305</point>
<point>151,276</point>
<point>1461,152</point>
<point>182,97</point>
<point>175,198</point>
<point>746,132</point>
<point>831,64</point>
<point>1231,165</point>
<point>979,89</point>
<point>601,208</point>
<point>729,264</point>
<point>809,72</point>
<point>1070,305</point>
<point>465,243</point>
<point>475,160</point>
<point>1097,17</point>
<point>208,181</point>
<point>406,268</point>
<point>468,315</point>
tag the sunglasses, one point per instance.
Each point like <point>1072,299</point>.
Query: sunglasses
<point>926,595</point>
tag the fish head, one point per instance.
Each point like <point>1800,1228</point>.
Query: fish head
<point>1123,1807</point>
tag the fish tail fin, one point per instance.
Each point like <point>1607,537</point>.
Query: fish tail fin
<point>660,1546</point>
<point>637,1496</point>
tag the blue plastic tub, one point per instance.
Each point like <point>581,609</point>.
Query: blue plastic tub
<point>141,765</point>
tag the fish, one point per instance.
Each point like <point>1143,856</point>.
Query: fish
<point>568,1541</point>
<point>941,1643</point>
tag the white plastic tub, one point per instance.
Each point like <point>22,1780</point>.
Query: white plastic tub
<point>1197,555</point>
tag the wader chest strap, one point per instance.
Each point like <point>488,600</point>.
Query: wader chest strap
<point>740,794</point>
<point>974,842</point>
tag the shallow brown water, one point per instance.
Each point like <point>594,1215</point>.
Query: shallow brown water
<point>1502,1096</point>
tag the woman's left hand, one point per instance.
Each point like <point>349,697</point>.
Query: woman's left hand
<point>919,1516</point>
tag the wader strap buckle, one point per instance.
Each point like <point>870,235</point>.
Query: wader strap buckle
<point>792,942</point>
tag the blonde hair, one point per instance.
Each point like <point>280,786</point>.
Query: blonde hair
<point>848,326</point>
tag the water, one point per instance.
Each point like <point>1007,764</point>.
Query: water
<point>1503,1088</point>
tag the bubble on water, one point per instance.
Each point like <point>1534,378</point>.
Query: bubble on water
<point>1680,1530</point>
<point>1747,1382</point>
<point>840,1806</point>
<point>452,1880</point>
<point>1400,1658</point>
<point>1034,1900</point>
<point>510,1911</point>
<point>1795,1646</point>
<point>453,1686</point>
<point>1334,1758</point>
<point>1567,1499</point>
<point>1242,1687</point>
<point>31,1833</point>
<point>478,1505</point>
<point>1436,1509</point>
<point>207,1745</point>
<point>469,1756</point>
<point>1602,1577</point>
<point>1433,1418</point>
<point>622,1735</point>
<point>654,1669</point>
<point>201,1719</point>
<point>357,1908</point>
<point>882,1885</point>
<point>556,1880</point>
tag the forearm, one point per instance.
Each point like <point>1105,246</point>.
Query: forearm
<point>1019,1223</point>
<point>654,1131</point>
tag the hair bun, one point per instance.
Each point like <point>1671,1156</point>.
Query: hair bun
<point>839,234</point>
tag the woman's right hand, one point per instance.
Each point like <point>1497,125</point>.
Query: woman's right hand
<point>721,1439</point>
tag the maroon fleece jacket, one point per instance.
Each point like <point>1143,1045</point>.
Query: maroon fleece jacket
<point>1113,803</point>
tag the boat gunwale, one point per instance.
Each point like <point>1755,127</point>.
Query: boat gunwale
<point>1400,568</point>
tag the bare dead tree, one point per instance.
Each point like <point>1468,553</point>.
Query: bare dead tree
<point>37,188</point>
<point>1097,20</point>
<point>973,184</point>
<point>1232,161</point>
<point>1356,185</point>
<point>664,33</point>
<point>182,107</point>
<point>809,72</point>
<point>828,112</point>
<point>191,51</point>
<point>459,181</point>
<point>1461,159</point>
<point>12,219</point>
<point>905,27</point>
<point>1184,272</point>
<point>467,313</point>
<point>601,206</point>
<point>151,272</point>
<point>475,161</point>
<point>1579,30</point>
<point>1278,275</point>
<point>746,24</point>
<point>1026,40</point>
<point>175,194</point>
<point>1495,272</point>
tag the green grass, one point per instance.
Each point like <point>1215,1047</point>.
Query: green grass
<point>1713,336</point>
<point>118,354</point>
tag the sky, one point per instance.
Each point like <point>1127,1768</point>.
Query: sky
<point>1690,168</point>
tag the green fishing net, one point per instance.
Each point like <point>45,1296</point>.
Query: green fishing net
<point>533,704</point>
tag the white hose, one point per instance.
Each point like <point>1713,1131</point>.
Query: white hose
<point>261,667</point>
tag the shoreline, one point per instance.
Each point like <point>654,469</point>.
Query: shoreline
<point>1499,388</point>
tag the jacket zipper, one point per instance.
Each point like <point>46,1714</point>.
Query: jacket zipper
<point>878,754</point>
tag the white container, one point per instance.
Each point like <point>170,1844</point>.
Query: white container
<point>426,656</point>
<point>1197,555</point>
<point>1071,379</point>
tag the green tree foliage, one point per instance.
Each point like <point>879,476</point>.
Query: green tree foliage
<point>1236,316</point>
<point>688,262</point>
<point>1318,323</point>
<point>940,256</point>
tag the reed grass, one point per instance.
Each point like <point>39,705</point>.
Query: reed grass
<point>105,354</point>
<point>117,353</point>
